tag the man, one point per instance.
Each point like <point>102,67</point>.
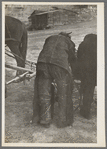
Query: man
<point>87,62</point>
<point>53,64</point>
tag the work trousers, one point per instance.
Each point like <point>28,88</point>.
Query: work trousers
<point>46,74</point>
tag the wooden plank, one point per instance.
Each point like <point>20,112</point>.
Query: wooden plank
<point>16,79</point>
<point>11,55</point>
<point>18,68</point>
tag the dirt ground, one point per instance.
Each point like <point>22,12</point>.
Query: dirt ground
<point>18,104</point>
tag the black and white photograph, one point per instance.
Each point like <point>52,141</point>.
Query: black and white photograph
<point>53,74</point>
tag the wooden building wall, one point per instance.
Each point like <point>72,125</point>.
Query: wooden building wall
<point>61,17</point>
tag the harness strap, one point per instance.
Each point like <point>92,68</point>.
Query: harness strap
<point>26,61</point>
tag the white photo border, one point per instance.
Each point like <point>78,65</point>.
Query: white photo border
<point>101,142</point>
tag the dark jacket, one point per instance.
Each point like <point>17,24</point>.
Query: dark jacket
<point>58,50</point>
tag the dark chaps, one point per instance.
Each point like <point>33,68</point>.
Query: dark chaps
<point>43,103</point>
